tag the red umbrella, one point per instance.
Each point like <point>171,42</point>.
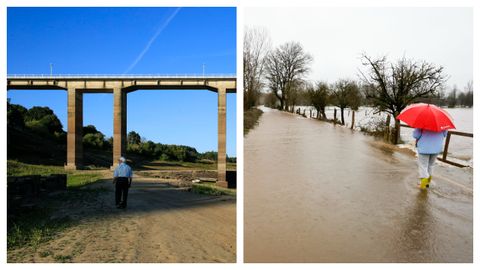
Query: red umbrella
<point>426,116</point>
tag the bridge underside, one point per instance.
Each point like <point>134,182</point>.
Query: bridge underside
<point>120,88</point>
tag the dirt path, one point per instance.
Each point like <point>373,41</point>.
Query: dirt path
<point>161,224</point>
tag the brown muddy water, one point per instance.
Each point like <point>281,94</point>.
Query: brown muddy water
<point>319,193</point>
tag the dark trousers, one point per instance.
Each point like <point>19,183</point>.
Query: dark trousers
<point>121,191</point>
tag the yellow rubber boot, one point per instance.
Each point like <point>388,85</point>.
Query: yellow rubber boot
<point>429,180</point>
<point>423,183</point>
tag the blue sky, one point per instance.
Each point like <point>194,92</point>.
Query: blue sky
<point>130,41</point>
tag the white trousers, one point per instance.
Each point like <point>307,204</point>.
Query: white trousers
<point>425,164</point>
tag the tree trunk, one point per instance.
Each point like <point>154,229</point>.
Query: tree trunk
<point>397,131</point>
<point>353,119</point>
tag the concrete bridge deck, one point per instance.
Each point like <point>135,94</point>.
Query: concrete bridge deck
<point>319,193</point>
<point>120,86</point>
<point>106,83</point>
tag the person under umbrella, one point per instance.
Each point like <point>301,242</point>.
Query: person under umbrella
<point>431,124</point>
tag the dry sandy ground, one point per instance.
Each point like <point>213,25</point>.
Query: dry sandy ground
<point>161,224</point>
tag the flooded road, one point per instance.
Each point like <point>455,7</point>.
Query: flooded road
<point>319,193</point>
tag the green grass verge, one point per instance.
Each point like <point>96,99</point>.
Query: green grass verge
<point>31,227</point>
<point>74,179</point>
<point>212,189</point>
<point>16,168</point>
<point>183,166</point>
<point>250,119</point>
<point>79,180</point>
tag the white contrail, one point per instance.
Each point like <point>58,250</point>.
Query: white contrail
<point>154,37</point>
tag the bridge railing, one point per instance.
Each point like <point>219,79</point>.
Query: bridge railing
<point>120,76</point>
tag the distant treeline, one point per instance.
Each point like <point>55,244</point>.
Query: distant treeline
<point>43,123</point>
<point>277,77</point>
<point>171,152</point>
<point>323,93</point>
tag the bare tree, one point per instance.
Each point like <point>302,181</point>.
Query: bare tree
<point>256,44</point>
<point>468,100</point>
<point>452,97</point>
<point>396,85</point>
<point>346,94</point>
<point>294,92</point>
<point>319,97</point>
<point>285,68</point>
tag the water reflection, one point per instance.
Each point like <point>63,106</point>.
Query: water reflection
<point>416,237</point>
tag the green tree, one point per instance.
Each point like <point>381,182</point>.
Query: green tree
<point>90,129</point>
<point>43,116</point>
<point>37,113</point>
<point>210,155</point>
<point>147,148</point>
<point>38,127</point>
<point>94,140</point>
<point>15,116</point>
<point>133,138</point>
<point>52,123</point>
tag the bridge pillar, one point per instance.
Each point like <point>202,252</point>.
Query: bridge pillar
<point>119,124</point>
<point>75,126</point>
<point>222,143</point>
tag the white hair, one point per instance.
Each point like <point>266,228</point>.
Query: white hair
<point>122,159</point>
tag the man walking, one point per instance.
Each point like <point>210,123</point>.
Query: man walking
<point>122,178</point>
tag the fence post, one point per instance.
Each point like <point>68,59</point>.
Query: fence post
<point>445,149</point>
<point>353,119</point>
<point>335,116</point>
<point>386,135</point>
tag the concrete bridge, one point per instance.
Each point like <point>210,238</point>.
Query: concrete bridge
<point>120,86</point>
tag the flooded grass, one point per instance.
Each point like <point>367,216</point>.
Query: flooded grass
<point>250,119</point>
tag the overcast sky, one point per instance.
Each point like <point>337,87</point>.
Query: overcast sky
<point>336,37</point>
